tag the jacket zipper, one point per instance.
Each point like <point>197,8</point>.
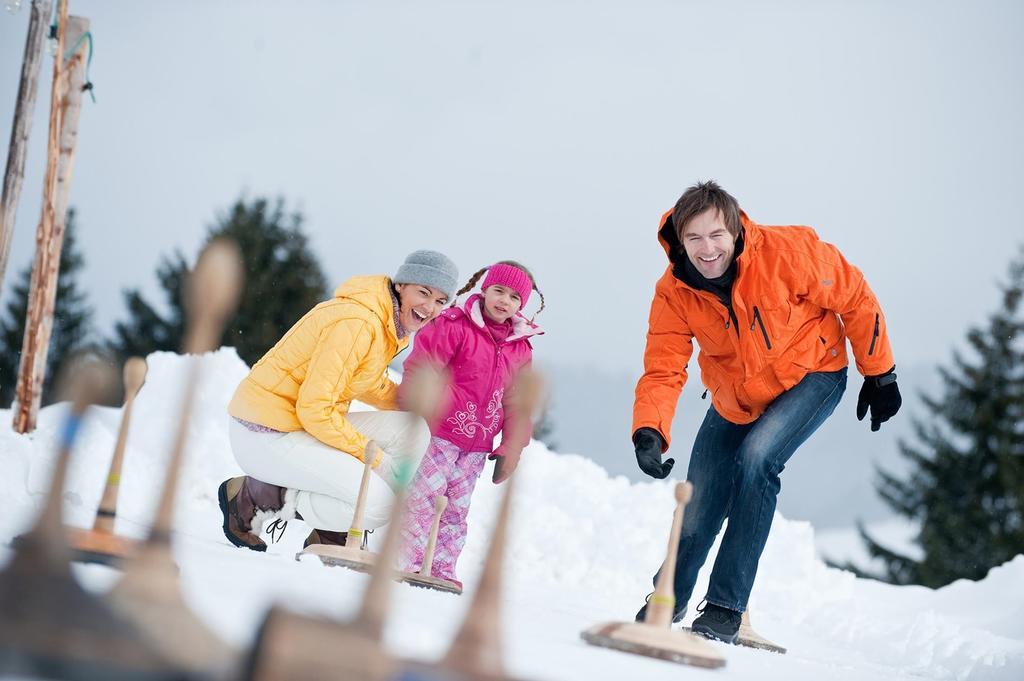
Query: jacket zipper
<point>494,372</point>
<point>871,350</point>
<point>764,332</point>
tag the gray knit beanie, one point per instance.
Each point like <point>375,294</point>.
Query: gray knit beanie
<point>429,268</point>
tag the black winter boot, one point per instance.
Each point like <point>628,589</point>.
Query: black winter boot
<point>718,623</point>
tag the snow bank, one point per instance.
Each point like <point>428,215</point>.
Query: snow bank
<point>584,546</point>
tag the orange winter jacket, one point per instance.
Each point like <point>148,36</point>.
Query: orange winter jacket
<point>796,299</point>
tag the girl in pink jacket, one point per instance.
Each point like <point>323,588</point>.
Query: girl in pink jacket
<point>481,346</point>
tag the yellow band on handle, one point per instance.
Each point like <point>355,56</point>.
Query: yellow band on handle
<point>354,532</point>
<point>663,600</point>
<point>114,479</point>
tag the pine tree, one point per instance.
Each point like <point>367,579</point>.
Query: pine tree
<point>966,486</point>
<point>72,317</point>
<point>283,281</point>
<point>146,330</point>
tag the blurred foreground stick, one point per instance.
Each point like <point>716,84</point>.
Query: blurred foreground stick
<point>297,647</point>
<point>476,653</point>
<point>149,594</point>
<point>50,626</point>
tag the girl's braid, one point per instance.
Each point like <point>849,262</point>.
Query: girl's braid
<point>541,303</point>
<point>470,284</point>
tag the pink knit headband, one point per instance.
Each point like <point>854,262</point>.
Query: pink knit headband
<point>511,277</point>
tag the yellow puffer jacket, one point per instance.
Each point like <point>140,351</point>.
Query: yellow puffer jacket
<point>337,352</point>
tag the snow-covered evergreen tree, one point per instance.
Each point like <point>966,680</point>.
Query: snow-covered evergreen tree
<point>966,485</point>
<point>72,317</point>
<point>283,281</point>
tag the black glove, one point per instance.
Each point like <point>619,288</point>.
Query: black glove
<point>883,396</point>
<point>648,445</point>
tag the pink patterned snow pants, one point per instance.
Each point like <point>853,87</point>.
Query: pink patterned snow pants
<point>449,471</point>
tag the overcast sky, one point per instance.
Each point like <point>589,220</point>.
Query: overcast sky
<point>555,133</point>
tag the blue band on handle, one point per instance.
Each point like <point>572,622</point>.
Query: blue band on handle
<point>71,426</point>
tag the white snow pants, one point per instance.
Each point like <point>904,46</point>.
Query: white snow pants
<point>327,479</point>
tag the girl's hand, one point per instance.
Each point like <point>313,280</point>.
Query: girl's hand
<point>505,464</point>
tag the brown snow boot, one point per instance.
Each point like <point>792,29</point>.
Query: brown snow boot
<point>246,504</point>
<point>329,537</point>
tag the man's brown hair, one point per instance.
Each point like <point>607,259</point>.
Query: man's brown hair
<point>699,198</point>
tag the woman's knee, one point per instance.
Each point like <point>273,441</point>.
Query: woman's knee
<point>419,436</point>
<point>379,503</point>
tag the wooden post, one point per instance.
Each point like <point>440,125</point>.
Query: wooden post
<point>65,105</point>
<point>21,130</point>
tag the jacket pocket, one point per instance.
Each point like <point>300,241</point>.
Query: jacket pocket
<point>758,325</point>
<point>874,337</point>
<point>723,393</point>
<point>712,334</point>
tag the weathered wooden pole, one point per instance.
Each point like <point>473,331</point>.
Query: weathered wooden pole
<point>21,130</point>
<point>69,78</point>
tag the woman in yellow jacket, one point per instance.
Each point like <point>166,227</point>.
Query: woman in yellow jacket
<point>291,430</point>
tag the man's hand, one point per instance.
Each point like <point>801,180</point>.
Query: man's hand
<point>883,396</point>
<point>506,461</point>
<point>648,445</point>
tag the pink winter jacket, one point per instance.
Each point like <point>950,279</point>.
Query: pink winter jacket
<point>482,371</point>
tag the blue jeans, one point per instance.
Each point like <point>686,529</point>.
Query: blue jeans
<point>735,474</point>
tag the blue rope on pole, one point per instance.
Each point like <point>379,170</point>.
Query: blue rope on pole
<point>88,63</point>
<point>70,53</point>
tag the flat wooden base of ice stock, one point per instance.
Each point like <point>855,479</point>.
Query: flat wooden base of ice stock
<point>90,546</point>
<point>639,638</point>
<point>293,647</point>
<point>340,556</point>
<point>749,638</point>
<point>22,665</point>
<point>427,582</point>
<point>50,627</point>
<point>418,671</point>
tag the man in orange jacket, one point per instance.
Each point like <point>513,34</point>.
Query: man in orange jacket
<point>771,309</point>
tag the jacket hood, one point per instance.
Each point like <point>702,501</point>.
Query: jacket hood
<point>521,326</point>
<point>751,235</point>
<point>373,293</point>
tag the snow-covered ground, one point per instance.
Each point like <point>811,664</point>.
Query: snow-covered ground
<point>583,548</point>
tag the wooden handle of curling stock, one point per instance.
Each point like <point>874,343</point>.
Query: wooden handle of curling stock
<point>134,377</point>
<point>427,567</point>
<point>663,601</point>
